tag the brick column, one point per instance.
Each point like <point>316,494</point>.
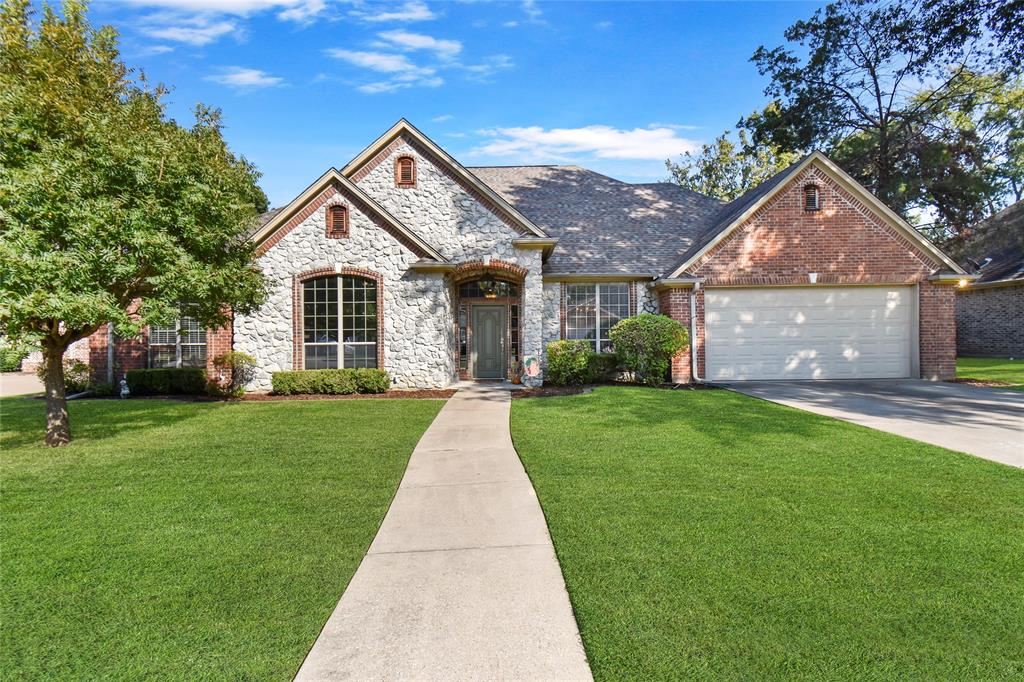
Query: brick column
<point>218,342</point>
<point>675,303</point>
<point>938,331</point>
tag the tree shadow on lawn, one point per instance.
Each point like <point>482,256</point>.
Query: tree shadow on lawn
<point>23,420</point>
<point>723,417</point>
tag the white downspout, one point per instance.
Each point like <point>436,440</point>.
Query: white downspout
<point>110,353</point>
<point>693,334</point>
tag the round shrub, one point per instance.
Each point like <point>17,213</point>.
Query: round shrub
<point>569,362</point>
<point>239,367</point>
<point>646,344</point>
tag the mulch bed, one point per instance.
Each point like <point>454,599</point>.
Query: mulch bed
<point>554,391</point>
<point>983,383</point>
<point>402,395</point>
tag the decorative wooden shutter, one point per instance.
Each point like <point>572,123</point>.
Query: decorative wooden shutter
<point>337,221</point>
<point>405,171</point>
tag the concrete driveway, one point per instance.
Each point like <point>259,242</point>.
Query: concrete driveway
<point>19,383</point>
<point>986,422</point>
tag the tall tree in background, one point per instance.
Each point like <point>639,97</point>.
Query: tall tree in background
<point>725,169</point>
<point>869,81</point>
<point>104,202</point>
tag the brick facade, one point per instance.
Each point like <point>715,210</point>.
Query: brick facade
<point>845,242</point>
<point>990,321</point>
<point>675,303</point>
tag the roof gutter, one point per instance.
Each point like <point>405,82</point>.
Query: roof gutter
<point>677,283</point>
<point>546,243</point>
<point>952,279</point>
<point>598,277</point>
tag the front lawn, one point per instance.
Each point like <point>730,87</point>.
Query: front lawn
<point>1010,372</point>
<point>705,534</point>
<point>188,541</point>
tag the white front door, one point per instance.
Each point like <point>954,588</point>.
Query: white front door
<point>808,333</point>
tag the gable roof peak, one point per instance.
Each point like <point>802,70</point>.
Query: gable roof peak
<point>403,127</point>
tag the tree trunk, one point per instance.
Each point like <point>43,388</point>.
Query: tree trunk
<point>58,428</point>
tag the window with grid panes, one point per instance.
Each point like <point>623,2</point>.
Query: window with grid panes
<point>591,310</point>
<point>339,319</point>
<point>180,344</point>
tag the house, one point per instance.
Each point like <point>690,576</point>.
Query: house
<point>990,310</point>
<point>407,260</point>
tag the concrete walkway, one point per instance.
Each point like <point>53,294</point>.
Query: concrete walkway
<point>461,582</point>
<point>986,422</point>
<point>19,383</point>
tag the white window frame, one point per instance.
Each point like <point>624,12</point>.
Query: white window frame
<point>600,333</point>
<point>340,344</point>
<point>178,343</point>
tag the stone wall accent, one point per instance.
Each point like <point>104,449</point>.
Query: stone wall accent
<point>417,341</point>
<point>461,226</point>
<point>990,321</point>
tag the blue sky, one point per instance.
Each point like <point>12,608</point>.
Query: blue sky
<point>306,84</point>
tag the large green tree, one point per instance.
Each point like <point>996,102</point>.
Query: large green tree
<point>109,210</point>
<point>874,83</point>
<point>725,168</point>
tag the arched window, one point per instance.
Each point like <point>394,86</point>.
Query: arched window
<point>812,198</point>
<point>405,171</point>
<point>339,322</point>
<point>337,221</point>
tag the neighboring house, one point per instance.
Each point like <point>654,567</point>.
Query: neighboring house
<point>409,261</point>
<point>990,310</point>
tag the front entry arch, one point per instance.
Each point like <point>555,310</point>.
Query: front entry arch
<point>488,334</point>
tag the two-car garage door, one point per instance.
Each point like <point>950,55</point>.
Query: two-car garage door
<point>808,333</point>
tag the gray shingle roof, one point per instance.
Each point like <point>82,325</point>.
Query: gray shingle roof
<point>997,246</point>
<point>605,225</point>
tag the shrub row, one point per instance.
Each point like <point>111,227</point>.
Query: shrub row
<point>330,381</point>
<point>175,381</point>
<point>644,346</point>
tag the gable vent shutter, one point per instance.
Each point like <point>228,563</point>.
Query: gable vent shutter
<point>406,172</point>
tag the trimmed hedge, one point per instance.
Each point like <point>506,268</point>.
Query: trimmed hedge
<point>173,381</point>
<point>574,362</point>
<point>330,381</point>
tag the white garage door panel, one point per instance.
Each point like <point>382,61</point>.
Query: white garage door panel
<point>812,333</point>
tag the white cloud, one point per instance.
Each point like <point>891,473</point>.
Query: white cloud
<point>236,7</point>
<point>405,40</point>
<point>442,118</point>
<point>244,79</point>
<point>604,25</point>
<point>303,12</point>
<point>195,31</point>
<point>376,61</point>
<point>403,73</point>
<point>533,13</point>
<point>598,141</point>
<point>487,68</point>
<point>409,11</point>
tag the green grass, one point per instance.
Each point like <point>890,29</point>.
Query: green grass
<point>188,541</point>
<point>992,369</point>
<point>710,535</point>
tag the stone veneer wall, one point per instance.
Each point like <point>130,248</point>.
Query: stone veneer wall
<point>452,220</point>
<point>419,339</point>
